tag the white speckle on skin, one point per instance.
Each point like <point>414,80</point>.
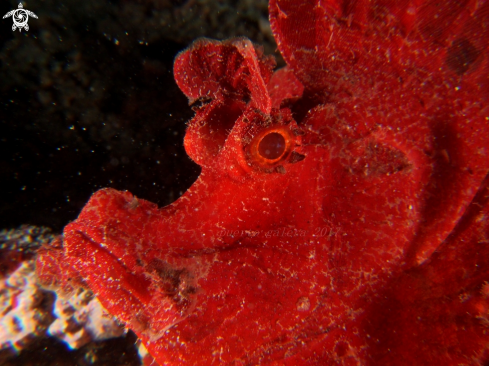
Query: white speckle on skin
<point>303,304</point>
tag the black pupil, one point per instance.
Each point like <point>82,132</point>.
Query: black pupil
<point>272,146</point>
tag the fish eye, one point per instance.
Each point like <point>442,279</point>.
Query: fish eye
<point>271,146</point>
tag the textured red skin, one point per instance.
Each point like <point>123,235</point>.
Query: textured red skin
<point>366,244</point>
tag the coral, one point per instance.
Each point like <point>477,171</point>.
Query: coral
<point>18,245</point>
<point>25,308</point>
<point>82,319</point>
<point>30,314</point>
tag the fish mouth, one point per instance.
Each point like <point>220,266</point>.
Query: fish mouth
<point>150,296</point>
<point>146,288</point>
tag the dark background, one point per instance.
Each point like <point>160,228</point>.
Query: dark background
<point>88,100</point>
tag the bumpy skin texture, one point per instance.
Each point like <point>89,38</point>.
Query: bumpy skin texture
<point>365,242</point>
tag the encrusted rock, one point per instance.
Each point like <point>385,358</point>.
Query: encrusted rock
<point>81,319</point>
<point>28,311</point>
<point>25,308</point>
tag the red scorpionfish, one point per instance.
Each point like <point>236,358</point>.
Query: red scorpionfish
<point>341,216</point>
